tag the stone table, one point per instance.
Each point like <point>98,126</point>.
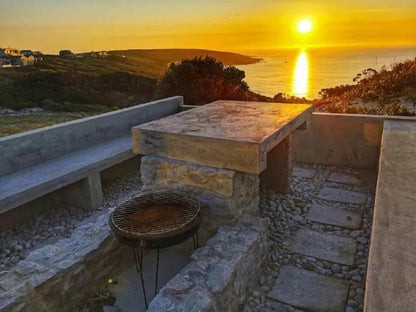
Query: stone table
<point>223,149</point>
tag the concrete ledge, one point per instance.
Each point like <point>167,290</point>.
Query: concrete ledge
<point>218,276</point>
<point>391,276</point>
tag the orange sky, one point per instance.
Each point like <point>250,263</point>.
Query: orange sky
<point>232,25</point>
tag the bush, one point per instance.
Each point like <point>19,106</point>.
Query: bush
<point>203,80</point>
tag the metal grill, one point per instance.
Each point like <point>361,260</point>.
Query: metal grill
<point>156,214</point>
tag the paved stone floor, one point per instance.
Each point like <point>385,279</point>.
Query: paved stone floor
<point>320,234</point>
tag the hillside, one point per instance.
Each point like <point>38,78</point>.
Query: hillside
<point>122,79</point>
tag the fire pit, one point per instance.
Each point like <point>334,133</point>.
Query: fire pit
<point>156,219</point>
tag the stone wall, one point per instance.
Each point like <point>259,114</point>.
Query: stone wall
<point>226,196</point>
<point>218,276</point>
<point>58,277</point>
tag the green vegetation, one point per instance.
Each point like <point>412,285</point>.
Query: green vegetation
<point>15,124</point>
<point>375,92</point>
<point>88,85</point>
<point>203,80</point>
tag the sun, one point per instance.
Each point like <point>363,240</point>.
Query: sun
<point>304,26</point>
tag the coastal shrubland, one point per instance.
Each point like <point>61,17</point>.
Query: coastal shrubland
<point>84,86</point>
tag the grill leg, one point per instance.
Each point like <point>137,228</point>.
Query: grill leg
<point>157,270</point>
<point>195,240</point>
<point>138,261</point>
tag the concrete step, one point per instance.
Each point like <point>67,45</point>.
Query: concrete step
<point>338,216</point>
<point>324,246</point>
<point>342,196</point>
<point>309,290</point>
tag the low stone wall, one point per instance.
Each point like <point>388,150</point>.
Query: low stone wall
<point>226,196</point>
<point>218,276</point>
<point>58,277</point>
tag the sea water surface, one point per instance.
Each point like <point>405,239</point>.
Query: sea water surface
<point>304,72</point>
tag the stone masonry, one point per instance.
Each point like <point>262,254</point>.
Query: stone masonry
<point>226,196</point>
<point>218,277</point>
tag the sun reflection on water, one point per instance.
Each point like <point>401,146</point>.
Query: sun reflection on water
<point>300,76</point>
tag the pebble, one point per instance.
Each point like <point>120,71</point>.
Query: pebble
<point>336,268</point>
<point>286,212</point>
<point>58,222</point>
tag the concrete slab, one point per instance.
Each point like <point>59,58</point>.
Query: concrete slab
<point>345,178</point>
<point>303,172</point>
<point>217,134</point>
<point>391,277</point>
<point>337,216</point>
<point>324,246</point>
<point>342,196</point>
<point>309,290</point>
<point>128,290</point>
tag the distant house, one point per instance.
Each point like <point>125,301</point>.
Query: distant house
<point>11,51</point>
<point>66,53</point>
<point>99,54</point>
<point>10,57</point>
<point>28,60</point>
<point>26,52</point>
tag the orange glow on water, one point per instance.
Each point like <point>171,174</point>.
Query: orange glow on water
<point>301,76</point>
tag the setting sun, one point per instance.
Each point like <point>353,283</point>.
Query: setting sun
<point>304,26</point>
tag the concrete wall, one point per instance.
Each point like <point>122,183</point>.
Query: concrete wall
<point>341,140</point>
<point>30,148</point>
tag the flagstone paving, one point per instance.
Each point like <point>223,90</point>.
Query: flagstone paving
<point>340,177</point>
<point>325,246</point>
<point>320,234</point>
<point>303,172</point>
<point>342,196</point>
<point>309,290</point>
<point>333,215</point>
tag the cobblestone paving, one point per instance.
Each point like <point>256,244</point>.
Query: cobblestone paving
<point>311,283</point>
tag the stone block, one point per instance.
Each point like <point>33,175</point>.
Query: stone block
<point>219,274</point>
<point>345,178</point>
<point>309,291</point>
<point>338,216</point>
<point>303,172</point>
<point>342,196</point>
<point>324,246</point>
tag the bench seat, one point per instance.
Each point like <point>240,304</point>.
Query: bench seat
<point>391,276</point>
<point>28,184</point>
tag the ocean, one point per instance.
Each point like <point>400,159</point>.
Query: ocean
<point>304,72</point>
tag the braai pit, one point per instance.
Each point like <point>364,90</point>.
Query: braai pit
<point>156,219</point>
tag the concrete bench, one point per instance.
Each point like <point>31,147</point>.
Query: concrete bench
<point>38,162</point>
<point>391,276</point>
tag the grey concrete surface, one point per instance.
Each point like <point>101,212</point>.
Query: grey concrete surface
<point>342,196</point>
<point>218,134</point>
<point>324,246</point>
<point>30,148</point>
<point>391,275</point>
<point>309,290</point>
<point>333,215</point>
<point>345,178</point>
<point>303,172</point>
<point>35,163</point>
<point>279,167</point>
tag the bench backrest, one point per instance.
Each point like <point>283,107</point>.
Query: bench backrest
<point>30,148</point>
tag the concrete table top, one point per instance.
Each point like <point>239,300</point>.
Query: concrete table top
<point>224,134</point>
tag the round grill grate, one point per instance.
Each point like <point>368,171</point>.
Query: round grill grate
<point>156,214</point>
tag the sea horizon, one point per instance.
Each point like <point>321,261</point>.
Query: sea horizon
<point>303,72</point>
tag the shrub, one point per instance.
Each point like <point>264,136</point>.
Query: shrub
<point>203,80</point>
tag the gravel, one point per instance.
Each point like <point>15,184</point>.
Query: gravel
<point>287,214</point>
<point>59,222</point>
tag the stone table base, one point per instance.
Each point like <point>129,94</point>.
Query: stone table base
<point>226,196</point>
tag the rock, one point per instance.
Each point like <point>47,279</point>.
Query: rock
<point>336,268</point>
